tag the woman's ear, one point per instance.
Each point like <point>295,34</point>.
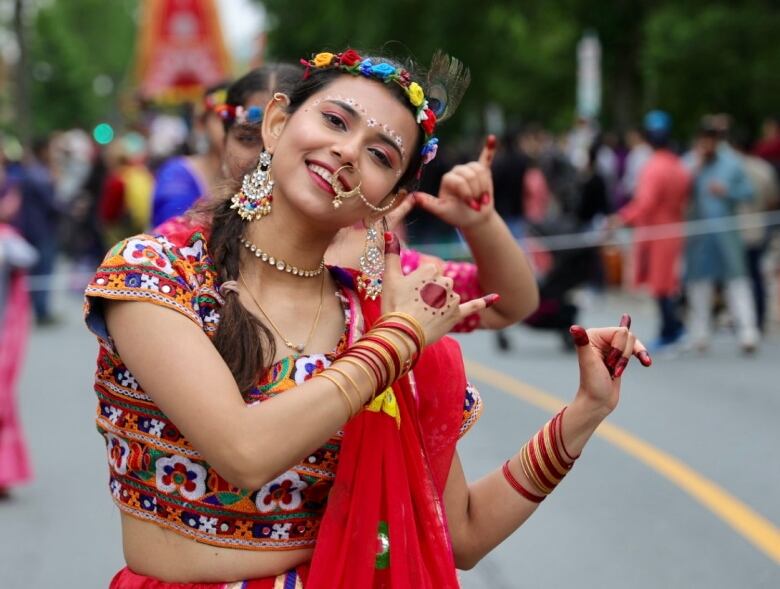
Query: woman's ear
<point>274,120</point>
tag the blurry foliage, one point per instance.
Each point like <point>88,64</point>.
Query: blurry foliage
<point>688,57</point>
<point>71,42</point>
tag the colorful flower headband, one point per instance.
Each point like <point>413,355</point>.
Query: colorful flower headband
<point>351,62</point>
<point>238,114</point>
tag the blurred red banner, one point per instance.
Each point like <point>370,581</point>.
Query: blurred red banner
<point>181,49</point>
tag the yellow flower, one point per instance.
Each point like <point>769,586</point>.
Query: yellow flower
<point>416,94</point>
<point>323,59</point>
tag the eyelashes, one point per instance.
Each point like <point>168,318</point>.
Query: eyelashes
<point>336,122</point>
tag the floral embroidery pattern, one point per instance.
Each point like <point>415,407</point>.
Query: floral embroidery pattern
<point>118,452</point>
<point>307,367</point>
<point>177,474</point>
<point>283,493</point>
<point>147,252</point>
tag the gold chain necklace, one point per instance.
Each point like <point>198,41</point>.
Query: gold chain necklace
<point>297,347</point>
<point>281,265</point>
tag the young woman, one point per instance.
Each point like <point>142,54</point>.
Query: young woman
<point>464,201</point>
<point>271,418</point>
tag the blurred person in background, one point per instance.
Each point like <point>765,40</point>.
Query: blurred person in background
<point>16,255</point>
<point>509,169</point>
<point>768,147</point>
<point>38,221</point>
<point>126,198</point>
<point>764,179</point>
<point>182,180</point>
<point>720,185</point>
<point>660,197</point>
<point>639,152</point>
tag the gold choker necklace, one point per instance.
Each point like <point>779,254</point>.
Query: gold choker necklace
<point>281,265</point>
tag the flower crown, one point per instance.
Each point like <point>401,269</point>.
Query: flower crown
<point>351,62</point>
<point>231,113</point>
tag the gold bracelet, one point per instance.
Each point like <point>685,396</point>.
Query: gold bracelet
<point>386,332</point>
<point>413,323</point>
<point>347,398</point>
<point>554,479</point>
<point>561,470</point>
<point>383,354</point>
<point>351,381</point>
<point>525,462</point>
<point>364,368</point>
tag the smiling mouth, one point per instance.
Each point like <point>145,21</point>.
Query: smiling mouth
<point>339,185</point>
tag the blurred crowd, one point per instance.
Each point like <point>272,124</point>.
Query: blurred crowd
<point>70,197</point>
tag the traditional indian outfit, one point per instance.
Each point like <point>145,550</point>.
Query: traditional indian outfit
<point>369,501</point>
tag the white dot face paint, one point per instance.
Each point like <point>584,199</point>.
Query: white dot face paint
<point>371,122</point>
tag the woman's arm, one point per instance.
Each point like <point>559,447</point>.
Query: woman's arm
<point>483,514</point>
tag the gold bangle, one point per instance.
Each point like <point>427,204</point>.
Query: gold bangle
<point>347,398</point>
<point>528,469</point>
<point>387,332</point>
<point>413,323</point>
<point>561,470</point>
<point>363,367</point>
<point>554,479</point>
<point>351,381</point>
<point>384,355</point>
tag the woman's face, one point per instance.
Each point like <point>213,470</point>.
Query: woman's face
<point>244,142</point>
<point>352,121</point>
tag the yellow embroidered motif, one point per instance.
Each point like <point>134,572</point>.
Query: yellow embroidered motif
<point>386,402</point>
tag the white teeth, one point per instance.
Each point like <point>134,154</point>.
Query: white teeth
<point>324,174</point>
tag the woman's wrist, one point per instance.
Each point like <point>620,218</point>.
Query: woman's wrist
<point>473,229</point>
<point>580,420</point>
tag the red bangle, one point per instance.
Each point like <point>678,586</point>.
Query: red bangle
<point>406,329</point>
<point>380,341</point>
<point>515,484</point>
<point>538,469</point>
<point>560,434</point>
<point>554,437</point>
<point>361,354</point>
<point>540,441</point>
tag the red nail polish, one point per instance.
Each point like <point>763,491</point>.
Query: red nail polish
<point>625,321</point>
<point>579,335</point>
<point>490,142</point>
<point>491,299</point>
<point>474,205</point>
<point>392,245</point>
<point>613,357</point>
<point>621,367</point>
<point>485,199</point>
<point>645,358</point>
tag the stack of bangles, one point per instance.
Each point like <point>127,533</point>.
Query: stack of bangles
<point>378,354</point>
<point>544,460</point>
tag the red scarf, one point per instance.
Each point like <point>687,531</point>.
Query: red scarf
<point>391,479</point>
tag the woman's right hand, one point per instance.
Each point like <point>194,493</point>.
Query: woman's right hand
<point>424,294</point>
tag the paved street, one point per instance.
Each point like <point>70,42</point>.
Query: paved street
<point>614,523</point>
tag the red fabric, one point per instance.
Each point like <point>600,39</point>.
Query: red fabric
<point>112,199</point>
<point>384,476</point>
<point>127,579</point>
<point>661,197</point>
<point>14,460</point>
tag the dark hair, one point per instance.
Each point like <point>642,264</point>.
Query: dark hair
<point>278,77</point>
<point>246,343</point>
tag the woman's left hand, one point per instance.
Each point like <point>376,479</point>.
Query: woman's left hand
<point>603,355</point>
<point>466,191</point>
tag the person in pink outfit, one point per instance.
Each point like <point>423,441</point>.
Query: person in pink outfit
<point>660,198</point>
<point>15,255</point>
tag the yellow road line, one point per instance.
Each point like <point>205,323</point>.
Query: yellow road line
<point>753,527</point>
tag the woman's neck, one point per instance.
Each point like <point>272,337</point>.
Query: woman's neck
<point>289,238</point>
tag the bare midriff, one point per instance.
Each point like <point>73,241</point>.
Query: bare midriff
<point>165,555</point>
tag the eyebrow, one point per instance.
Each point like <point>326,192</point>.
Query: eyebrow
<point>356,115</point>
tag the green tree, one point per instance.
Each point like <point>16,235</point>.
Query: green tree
<point>71,44</point>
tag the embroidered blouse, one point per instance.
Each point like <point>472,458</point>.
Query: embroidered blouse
<point>154,472</point>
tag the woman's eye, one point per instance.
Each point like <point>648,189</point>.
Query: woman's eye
<point>382,157</point>
<point>248,139</point>
<point>335,121</point>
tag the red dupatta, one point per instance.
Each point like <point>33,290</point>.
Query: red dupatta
<point>389,484</point>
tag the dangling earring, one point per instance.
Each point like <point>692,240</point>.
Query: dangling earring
<point>253,201</point>
<point>372,265</point>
